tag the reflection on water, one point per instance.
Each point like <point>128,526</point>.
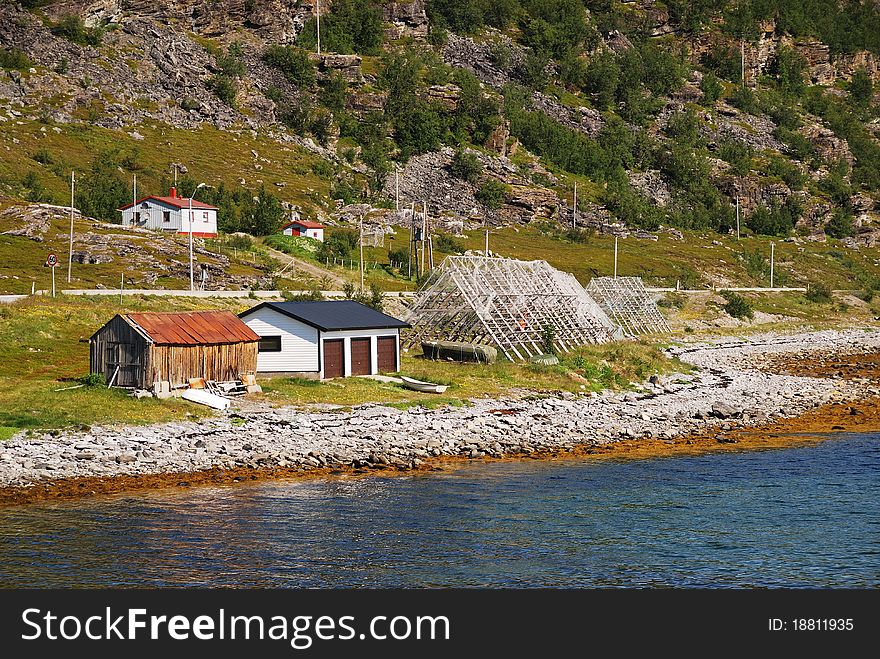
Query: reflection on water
<point>796,517</point>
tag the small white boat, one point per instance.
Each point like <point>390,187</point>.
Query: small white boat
<point>427,387</point>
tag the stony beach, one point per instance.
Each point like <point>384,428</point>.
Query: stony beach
<point>737,384</point>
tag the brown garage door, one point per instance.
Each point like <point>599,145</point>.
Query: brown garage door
<point>360,356</point>
<point>386,347</point>
<point>334,358</point>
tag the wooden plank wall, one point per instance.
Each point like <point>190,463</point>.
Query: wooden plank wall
<point>102,347</point>
<point>177,364</point>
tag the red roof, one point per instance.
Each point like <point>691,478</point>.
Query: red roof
<point>177,202</point>
<point>307,224</point>
<point>193,328</point>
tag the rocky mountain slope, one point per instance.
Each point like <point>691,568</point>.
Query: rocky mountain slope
<point>491,112</point>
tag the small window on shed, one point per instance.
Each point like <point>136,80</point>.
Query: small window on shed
<point>270,344</point>
<point>166,217</point>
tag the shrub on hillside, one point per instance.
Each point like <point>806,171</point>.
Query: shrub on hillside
<point>466,166</point>
<point>492,193</point>
<point>72,28</point>
<point>224,88</point>
<point>861,89</point>
<point>777,220</point>
<point>737,306</point>
<point>818,293</point>
<point>738,154</point>
<point>13,58</point>
<point>340,244</point>
<point>744,99</point>
<point>841,224</point>
<point>711,88</point>
<point>398,256</point>
<point>449,245</point>
<point>351,26</point>
<point>294,63</point>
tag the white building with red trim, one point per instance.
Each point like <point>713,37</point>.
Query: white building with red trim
<point>171,213</point>
<point>303,228</point>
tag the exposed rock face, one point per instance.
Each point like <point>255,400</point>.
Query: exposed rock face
<point>363,102</point>
<point>479,58</point>
<point>829,147</point>
<point>822,69</point>
<point>347,66</point>
<point>754,130</point>
<point>655,18</point>
<point>427,178</point>
<point>651,184</point>
<point>529,203</point>
<point>278,20</point>
<point>161,76</point>
<point>752,191</point>
<point>445,95</point>
<point>407,19</point>
<point>497,140</point>
<point>583,119</point>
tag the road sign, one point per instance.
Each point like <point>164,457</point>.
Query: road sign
<point>51,260</point>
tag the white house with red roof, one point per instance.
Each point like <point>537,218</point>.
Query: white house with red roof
<point>171,213</point>
<point>305,228</point>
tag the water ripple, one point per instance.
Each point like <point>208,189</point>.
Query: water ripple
<point>802,517</point>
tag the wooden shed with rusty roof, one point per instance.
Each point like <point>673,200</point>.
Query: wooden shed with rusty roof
<point>137,350</point>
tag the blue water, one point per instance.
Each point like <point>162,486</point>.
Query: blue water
<point>801,517</point>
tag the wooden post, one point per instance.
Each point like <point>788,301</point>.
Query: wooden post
<point>615,257</point>
<point>396,189</point>
<point>574,212</point>
<point>412,215</point>
<point>70,252</point>
<point>737,215</point>
<point>487,242</point>
<point>318,23</point>
<point>192,285</point>
<point>361,229</point>
<point>772,261</point>
<point>121,286</point>
<point>742,60</point>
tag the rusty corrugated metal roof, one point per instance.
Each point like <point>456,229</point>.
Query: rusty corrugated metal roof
<point>193,328</point>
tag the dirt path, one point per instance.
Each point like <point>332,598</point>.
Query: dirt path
<point>291,262</point>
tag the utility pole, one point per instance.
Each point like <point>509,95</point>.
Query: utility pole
<point>615,257</point>
<point>574,212</point>
<point>318,23</point>
<point>772,261</point>
<point>175,174</point>
<point>742,60</point>
<point>737,215</point>
<point>361,230</point>
<point>487,242</point>
<point>396,189</point>
<point>412,221</point>
<point>70,252</point>
<point>192,283</point>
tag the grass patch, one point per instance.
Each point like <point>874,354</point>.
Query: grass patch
<point>589,368</point>
<point>7,432</point>
<point>45,347</point>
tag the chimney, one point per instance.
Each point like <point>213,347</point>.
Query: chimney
<point>173,193</point>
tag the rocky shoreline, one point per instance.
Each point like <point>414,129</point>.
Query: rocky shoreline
<point>728,392</point>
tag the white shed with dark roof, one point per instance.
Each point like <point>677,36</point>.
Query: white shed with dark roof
<point>324,339</point>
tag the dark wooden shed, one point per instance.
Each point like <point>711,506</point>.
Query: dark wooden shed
<point>140,349</point>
